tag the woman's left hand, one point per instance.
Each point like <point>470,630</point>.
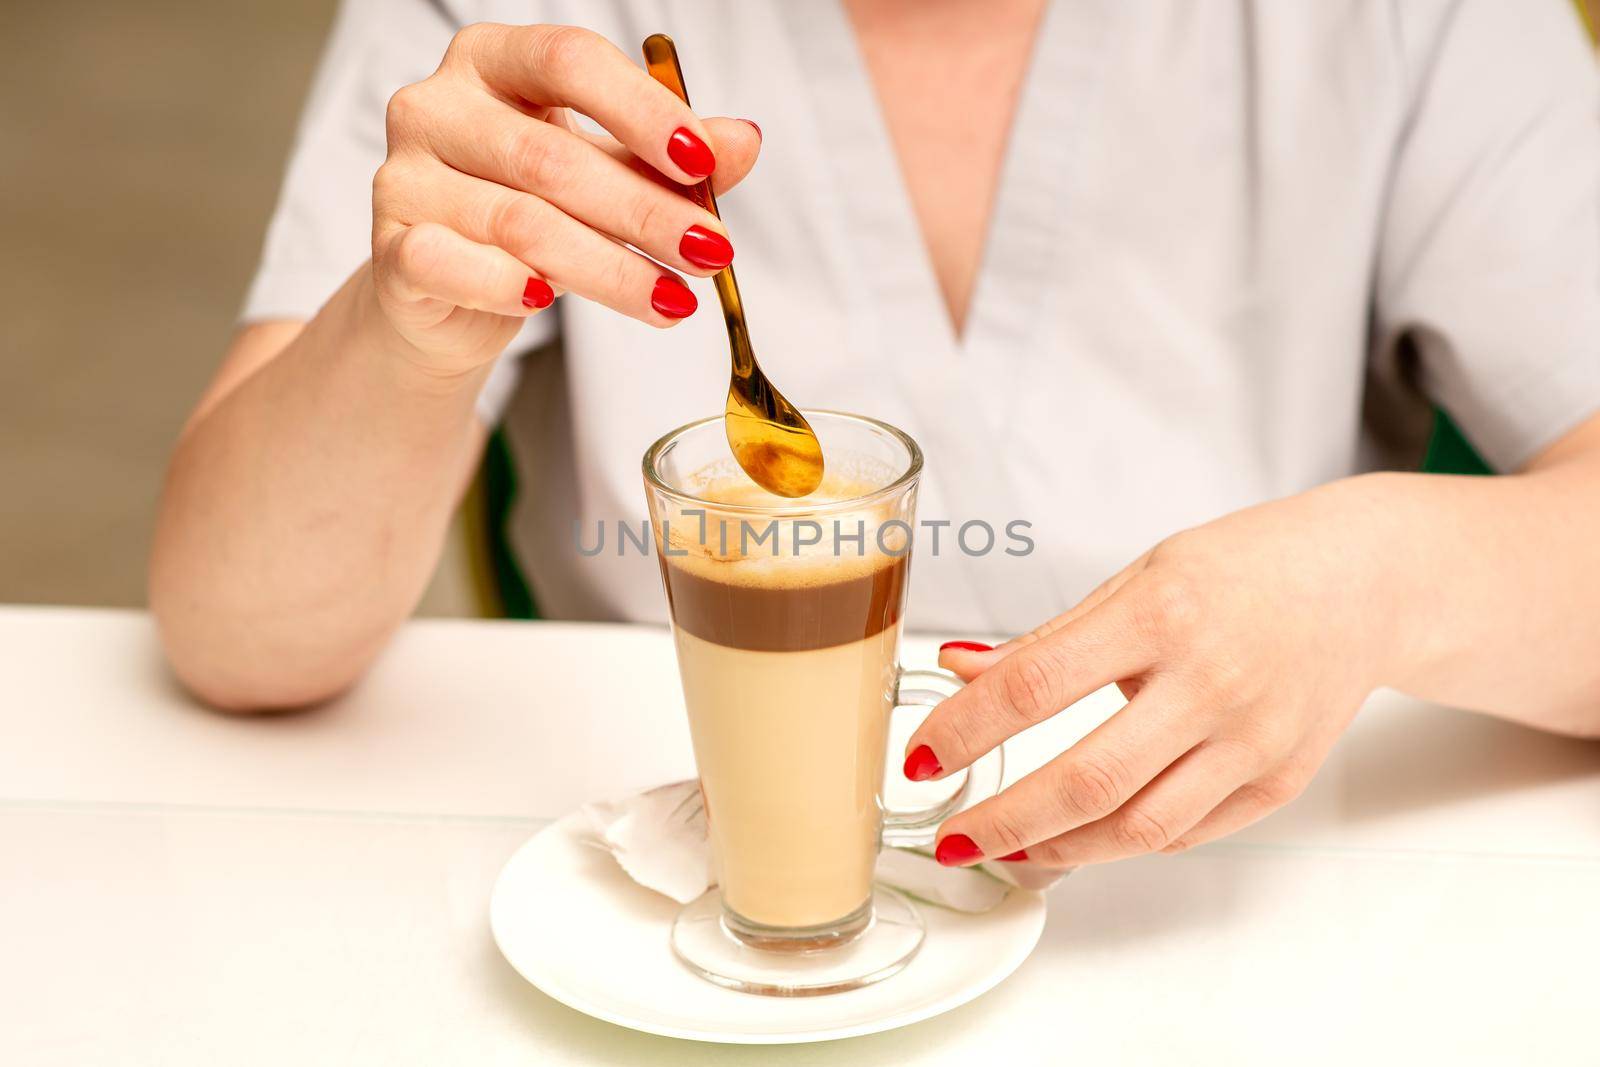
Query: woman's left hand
<point>1245,647</point>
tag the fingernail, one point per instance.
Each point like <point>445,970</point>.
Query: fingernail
<point>922,764</point>
<point>752,124</point>
<point>705,248</point>
<point>690,153</point>
<point>966,646</point>
<point>672,298</point>
<point>537,294</point>
<point>1016,857</point>
<point>957,849</point>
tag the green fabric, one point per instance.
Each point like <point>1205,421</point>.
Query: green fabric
<point>1449,452</point>
<point>500,495</point>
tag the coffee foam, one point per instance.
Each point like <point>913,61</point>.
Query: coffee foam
<point>777,560</point>
<point>845,478</point>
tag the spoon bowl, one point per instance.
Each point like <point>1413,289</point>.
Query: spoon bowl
<point>774,445</point>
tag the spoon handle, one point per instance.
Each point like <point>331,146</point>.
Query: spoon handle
<point>661,59</point>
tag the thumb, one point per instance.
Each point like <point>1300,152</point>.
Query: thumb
<point>968,659</point>
<point>736,144</point>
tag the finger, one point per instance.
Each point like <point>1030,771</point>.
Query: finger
<point>564,66</point>
<point>1154,817</point>
<point>737,143</point>
<point>1260,796</point>
<point>431,262</point>
<point>1087,782</point>
<point>486,138</point>
<point>968,663</point>
<point>568,254</point>
<point>1032,684</point>
<point>1247,804</point>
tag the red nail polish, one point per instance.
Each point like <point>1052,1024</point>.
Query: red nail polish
<point>966,646</point>
<point>922,764</point>
<point>957,849</point>
<point>672,298</point>
<point>705,248</point>
<point>752,124</point>
<point>1016,857</point>
<point>537,294</point>
<point>691,153</point>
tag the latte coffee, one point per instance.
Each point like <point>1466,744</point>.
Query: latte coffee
<point>786,614</point>
<point>787,652</point>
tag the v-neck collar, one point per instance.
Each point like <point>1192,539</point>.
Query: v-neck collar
<point>1025,215</point>
<point>893,292</point>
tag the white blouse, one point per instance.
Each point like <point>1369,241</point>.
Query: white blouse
<point>1237,250</point>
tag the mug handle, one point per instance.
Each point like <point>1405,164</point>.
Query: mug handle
<point>917,827</point>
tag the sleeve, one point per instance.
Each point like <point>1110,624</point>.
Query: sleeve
<point>1489,261</point>
<point>321,229</point>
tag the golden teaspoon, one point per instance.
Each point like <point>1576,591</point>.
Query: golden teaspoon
<point>770,438</point>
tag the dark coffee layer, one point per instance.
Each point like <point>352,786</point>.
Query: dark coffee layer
<point>792,619</point>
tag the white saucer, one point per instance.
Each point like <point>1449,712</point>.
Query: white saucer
<point>572,923</point>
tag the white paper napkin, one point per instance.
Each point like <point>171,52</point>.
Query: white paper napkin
<point>659,839</point>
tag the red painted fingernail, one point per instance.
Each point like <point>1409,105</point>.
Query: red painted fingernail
<point>537,294</point>
<point>705,248</point>
<point>1016,857</point>
<point>752,124</point>
<point>922,764</point>
<point>691,153</point>
<point>957,849</point>
<point>966,646</point>
<point>672,298</point>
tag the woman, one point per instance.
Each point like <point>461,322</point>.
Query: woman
<point>1124,270</point>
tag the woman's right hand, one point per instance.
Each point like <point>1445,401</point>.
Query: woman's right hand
<point>492,201</point>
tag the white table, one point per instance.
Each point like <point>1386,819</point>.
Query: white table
<point>180,887</point>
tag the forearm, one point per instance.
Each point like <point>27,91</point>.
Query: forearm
<point>1493,586</point>
<point>303,514</point>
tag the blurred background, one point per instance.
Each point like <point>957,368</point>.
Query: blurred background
<point>141,146</point>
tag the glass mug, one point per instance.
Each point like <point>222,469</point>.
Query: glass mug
<point>786,617</point>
